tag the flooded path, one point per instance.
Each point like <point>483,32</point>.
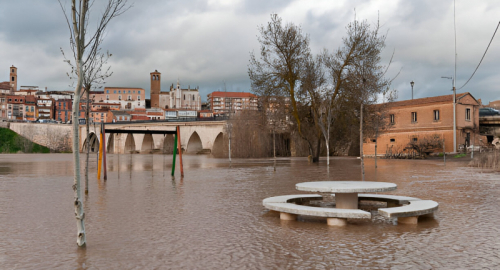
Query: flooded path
<point>213,218</point>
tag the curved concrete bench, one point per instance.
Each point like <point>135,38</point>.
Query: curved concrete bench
<point>289,210</point>
<point>408,214</point>
<point>391,200</point>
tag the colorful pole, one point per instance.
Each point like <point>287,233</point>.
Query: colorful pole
<point>180,150</point>
<point>175,153</point>
<point>104,151</point>
<point>99,160</point>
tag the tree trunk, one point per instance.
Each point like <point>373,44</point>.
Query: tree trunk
<point>375,153</point>
<point>88,142</point>
<point>318,150</point>
<point>78,204</point>
<point>327,153</point>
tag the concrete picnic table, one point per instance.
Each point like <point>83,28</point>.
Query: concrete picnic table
<point>346,192</point>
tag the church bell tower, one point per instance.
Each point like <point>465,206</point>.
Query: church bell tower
<point>155,88</point>
<point>13,78</point>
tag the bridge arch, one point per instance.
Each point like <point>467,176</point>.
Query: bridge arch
<point>129,143</point>
<point>218,145</point>
<point>194,144</point>
<point>94,143</point>
<point>110,145</point>
<point>168,144</point>
<point>148,143</point>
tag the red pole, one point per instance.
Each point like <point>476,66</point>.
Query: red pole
<point>104,151</point>
<point>180,150</point>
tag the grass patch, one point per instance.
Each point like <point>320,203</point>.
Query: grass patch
<point>460,155</point>
<point>11,142</point>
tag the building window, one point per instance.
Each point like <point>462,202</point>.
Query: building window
<point>413,117</point>
<point>119,97</point>
<point>114,92</point>
<point>12,70</point>
<point>415,139</point>
<point>436,115</point>
<point>392,119</point>
<point>13,79</point>
<point>139,92</point>
<point>129,91</point>
<point>467,114</point>
<point>374,140</point>
<point>107,91</point>
<point>119,91</point>
<point>393,140</point>
<point>193,97</point>
<point>184,97</point>
<point>107,97</point>
<point>138,97</point>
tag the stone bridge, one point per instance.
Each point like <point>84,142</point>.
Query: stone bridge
<point>489,126</point>
<point>196,137</point>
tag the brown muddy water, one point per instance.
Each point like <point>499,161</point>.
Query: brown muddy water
<point>213,218</point>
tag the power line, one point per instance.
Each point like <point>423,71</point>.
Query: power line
<point>481,58</point>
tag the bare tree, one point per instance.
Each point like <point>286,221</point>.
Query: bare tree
<point>319,88</point>
<point>284,53</point>
<point>94,77</point>
<point>85,53</point>
<point>355,73</point>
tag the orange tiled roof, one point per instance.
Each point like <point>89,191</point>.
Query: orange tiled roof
<point>139,117</point>
<point>5,85</point>
<point>420,101</point>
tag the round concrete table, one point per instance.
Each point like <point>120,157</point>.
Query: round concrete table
<point>346,192</point>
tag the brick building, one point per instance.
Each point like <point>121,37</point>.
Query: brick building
<point>176,98</point>
<point>129,98</point>
<point>413,120</point>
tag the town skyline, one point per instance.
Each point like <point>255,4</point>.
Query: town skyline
<point>208,43</point>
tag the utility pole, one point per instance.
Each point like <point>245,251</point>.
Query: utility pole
<point>361,143</point>
<point>454,112</point>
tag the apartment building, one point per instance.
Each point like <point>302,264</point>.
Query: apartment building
<point>231,102</point>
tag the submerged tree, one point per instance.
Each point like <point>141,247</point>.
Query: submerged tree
<point>85,54</point>
<point>284,53</point>
<point>322,90</point>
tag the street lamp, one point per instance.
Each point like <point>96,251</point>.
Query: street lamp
<point>454,113</point>
<point>412,83</point>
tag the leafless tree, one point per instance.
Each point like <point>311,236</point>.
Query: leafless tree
<point>86,54</point>
<point>319,88</point>
<point>284,53</point>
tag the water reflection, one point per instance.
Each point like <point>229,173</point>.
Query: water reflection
<point>213,217</point>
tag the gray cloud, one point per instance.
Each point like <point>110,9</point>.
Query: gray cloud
<point>203,43</point>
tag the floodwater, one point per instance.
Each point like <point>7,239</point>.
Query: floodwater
<point>213,218</point>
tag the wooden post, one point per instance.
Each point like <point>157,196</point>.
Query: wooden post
<point>104,151</point>
<point>444,153</point>
<point>175,153</point>
<point>180,150</point>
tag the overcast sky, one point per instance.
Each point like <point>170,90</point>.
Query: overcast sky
<point>204,43</point>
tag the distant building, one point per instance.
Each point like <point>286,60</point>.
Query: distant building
<point>421,119</point>
<point>118,116</point>
<point>176,98</point>
<point>10,86</point>
<point>231,102</point>
<point>129,98</point>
